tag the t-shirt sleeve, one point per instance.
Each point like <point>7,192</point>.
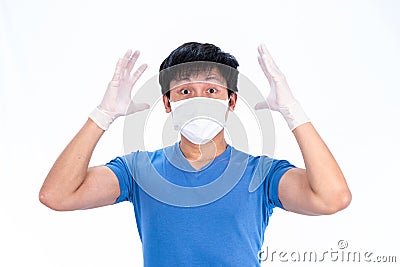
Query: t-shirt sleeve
<point>126,182</point>
<point>274,175</point>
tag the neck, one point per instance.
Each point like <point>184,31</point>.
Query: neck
<point>200,155</point>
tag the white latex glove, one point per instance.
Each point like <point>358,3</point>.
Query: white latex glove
<point>280,97</point>
<point>117,99</point>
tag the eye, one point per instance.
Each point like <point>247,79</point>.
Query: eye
<point>211,90</point>
<point>185,91</point>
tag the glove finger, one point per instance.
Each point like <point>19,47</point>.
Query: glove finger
<point>136,75</point>
<point>266,71</point>
<point>125,63</point>
<point>128,54</point>
<point>132,61</point>
<point>118,70</point>
<point>268,61</point>
<point>262,65</point>
<point>121,64</point>
<point>262,49</point>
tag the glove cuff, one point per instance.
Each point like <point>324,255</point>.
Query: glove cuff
<point>101,118</point>
<point>294,115</point>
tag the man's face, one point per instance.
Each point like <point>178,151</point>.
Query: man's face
<point>204,84</point>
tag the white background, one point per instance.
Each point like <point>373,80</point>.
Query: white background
<point>341,59</point>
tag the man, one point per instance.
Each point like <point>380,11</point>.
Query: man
<point>197,230</point>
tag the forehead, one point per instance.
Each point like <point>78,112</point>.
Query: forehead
<point>212,76</point>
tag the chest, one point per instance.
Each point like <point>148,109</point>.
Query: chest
<point>236,210</point>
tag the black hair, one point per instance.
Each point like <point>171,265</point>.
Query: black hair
<point>204,57</point>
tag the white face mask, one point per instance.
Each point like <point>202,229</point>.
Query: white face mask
<point>199,119</point>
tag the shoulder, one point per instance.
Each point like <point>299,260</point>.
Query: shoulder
<point>140,154</point>
<point>258,162</point>
<point>262,168</point>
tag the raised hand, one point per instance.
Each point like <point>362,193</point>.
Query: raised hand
<point>117,99</point>
<point>280,97</point>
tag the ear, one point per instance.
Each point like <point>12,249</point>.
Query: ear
<point>166,104</point>
<point>232,102</point>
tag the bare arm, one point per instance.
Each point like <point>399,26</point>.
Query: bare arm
<point>70,185</point>
<point>320,188</point>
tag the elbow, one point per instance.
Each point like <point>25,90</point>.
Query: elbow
<point>338,202</point>
<point>47,199</point>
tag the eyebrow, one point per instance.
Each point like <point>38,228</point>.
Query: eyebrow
<point>208,78</point>
<point>182,79</point>
<point>212,77</point>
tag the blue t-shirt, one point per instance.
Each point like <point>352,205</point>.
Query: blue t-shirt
<point>215,216</point>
